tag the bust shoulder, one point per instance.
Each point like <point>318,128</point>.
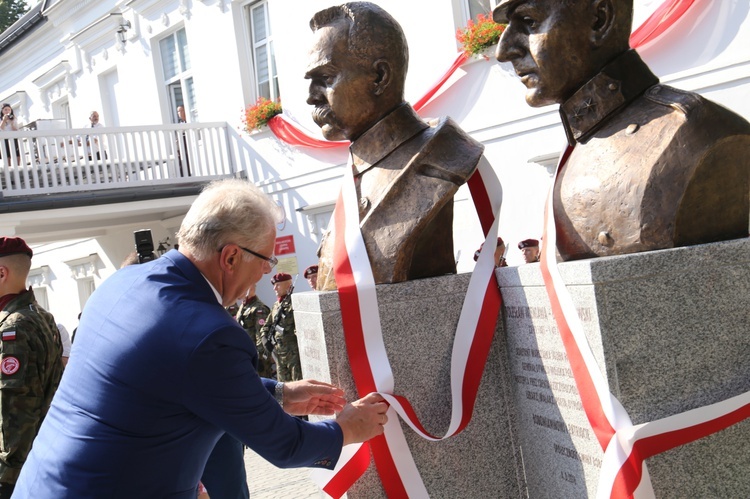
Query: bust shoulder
<point>451,153</point>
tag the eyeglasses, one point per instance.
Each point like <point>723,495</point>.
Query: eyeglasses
<point>271,260</point>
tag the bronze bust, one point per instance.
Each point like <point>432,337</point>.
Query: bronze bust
<point>652,167</point>
<point>406,171</point>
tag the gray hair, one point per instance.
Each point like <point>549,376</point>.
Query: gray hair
<point>228,211</point>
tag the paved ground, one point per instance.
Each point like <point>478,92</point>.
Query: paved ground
<point>266,481</point>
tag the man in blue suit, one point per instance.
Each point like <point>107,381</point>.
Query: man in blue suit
<point>160,371</point>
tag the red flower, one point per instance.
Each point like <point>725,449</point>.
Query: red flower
<point>479,35</point>
<point>259,113</point>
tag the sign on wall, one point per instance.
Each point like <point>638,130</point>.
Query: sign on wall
<point>284,245</point>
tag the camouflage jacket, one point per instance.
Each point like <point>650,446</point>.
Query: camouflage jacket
<point>30,370</point>
<point>252,316</point>
<point>280,322</point>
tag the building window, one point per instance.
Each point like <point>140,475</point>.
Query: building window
<point>463,10</point>
<point>86,287</point>
<point>177,71</point>
<point>476,7</point>
<point>40,294</point>
<point>318,218</point>
<point>264,62</point>
<point>39,279</point>
<point>61,111</point>
<point>83,270</point>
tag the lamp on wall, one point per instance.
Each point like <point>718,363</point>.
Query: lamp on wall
<point>122,30</point>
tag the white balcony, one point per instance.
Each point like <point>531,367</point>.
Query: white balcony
<point>45,162</point>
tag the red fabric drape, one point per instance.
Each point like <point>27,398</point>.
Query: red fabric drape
<point>662,19</point>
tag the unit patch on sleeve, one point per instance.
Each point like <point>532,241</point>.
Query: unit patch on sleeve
<point>10,365</point>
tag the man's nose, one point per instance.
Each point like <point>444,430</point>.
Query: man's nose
<point>314,94</point>
<point>509,46</point>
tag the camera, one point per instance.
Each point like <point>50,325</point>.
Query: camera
<point>144,245</point>
<point>11,117</point>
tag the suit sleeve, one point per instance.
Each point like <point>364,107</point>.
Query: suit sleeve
<point>224,388</point>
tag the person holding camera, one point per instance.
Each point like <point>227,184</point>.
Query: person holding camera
<point>10,124</point>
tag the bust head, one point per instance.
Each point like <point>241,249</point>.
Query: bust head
<point>357,68</point>
<point>556,46</point>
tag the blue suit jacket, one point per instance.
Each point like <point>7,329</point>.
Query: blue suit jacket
<point>158,371</point>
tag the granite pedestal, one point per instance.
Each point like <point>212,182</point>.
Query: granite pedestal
<point>419,321</point>
<point>669,330</point>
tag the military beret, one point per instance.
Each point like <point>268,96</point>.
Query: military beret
<point>528,243</point>
<point>500,242</point>
<point>280,277</point>
<point>14,246</point>
<point>312,269</point>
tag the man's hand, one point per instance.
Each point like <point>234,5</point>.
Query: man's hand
<point>363,419</point>
<point>312,397</point>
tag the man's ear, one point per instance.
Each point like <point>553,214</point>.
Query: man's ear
<point>604,22</point>
<point>229,258</point>
<point>384,75</point>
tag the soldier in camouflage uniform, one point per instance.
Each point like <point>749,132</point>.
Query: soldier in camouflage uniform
<point>252,316</point>
<point>279,328</point>
<point>30,361</point>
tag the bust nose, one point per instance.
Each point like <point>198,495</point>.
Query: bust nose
<point>509,46</point>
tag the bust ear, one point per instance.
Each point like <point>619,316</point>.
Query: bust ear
<point>604,22</point>
<point>384,75</point>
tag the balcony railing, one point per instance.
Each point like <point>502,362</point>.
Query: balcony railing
<point>54,161</point>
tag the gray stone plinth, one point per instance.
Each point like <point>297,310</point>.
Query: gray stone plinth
<point>419,321</point>
<point>669,329</point>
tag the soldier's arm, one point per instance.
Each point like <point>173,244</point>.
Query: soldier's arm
<point>266,328</point>
<point>261,317</point>
<point>20,395</point>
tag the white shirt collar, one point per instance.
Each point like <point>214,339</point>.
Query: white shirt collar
<point>216,292</point>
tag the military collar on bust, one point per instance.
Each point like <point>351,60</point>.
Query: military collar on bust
<point>618,84</point>
<point>385,136</point>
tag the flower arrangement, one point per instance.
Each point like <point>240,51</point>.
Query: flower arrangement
<point>479,35</point>
<point>259,113</point>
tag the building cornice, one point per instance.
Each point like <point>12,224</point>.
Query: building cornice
<point>61,10</point>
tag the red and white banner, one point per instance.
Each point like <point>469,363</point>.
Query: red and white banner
<point>624,473</point>
<point>367,354</point>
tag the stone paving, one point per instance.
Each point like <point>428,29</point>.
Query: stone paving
<point>266,481</point>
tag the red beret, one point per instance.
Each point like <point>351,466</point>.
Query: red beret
<point>312,269</point>
<point>500,242</point>
<point>528,243</point>
<point>280,277</point>
<point>14,246</point>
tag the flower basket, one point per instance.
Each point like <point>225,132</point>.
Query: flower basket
<point>258,115</point>
<point>479,36</point>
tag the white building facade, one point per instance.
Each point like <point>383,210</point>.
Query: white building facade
<point>136,61</point>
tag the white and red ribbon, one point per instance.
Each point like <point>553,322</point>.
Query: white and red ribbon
<point>624,472</point>
<point>367,354</point>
